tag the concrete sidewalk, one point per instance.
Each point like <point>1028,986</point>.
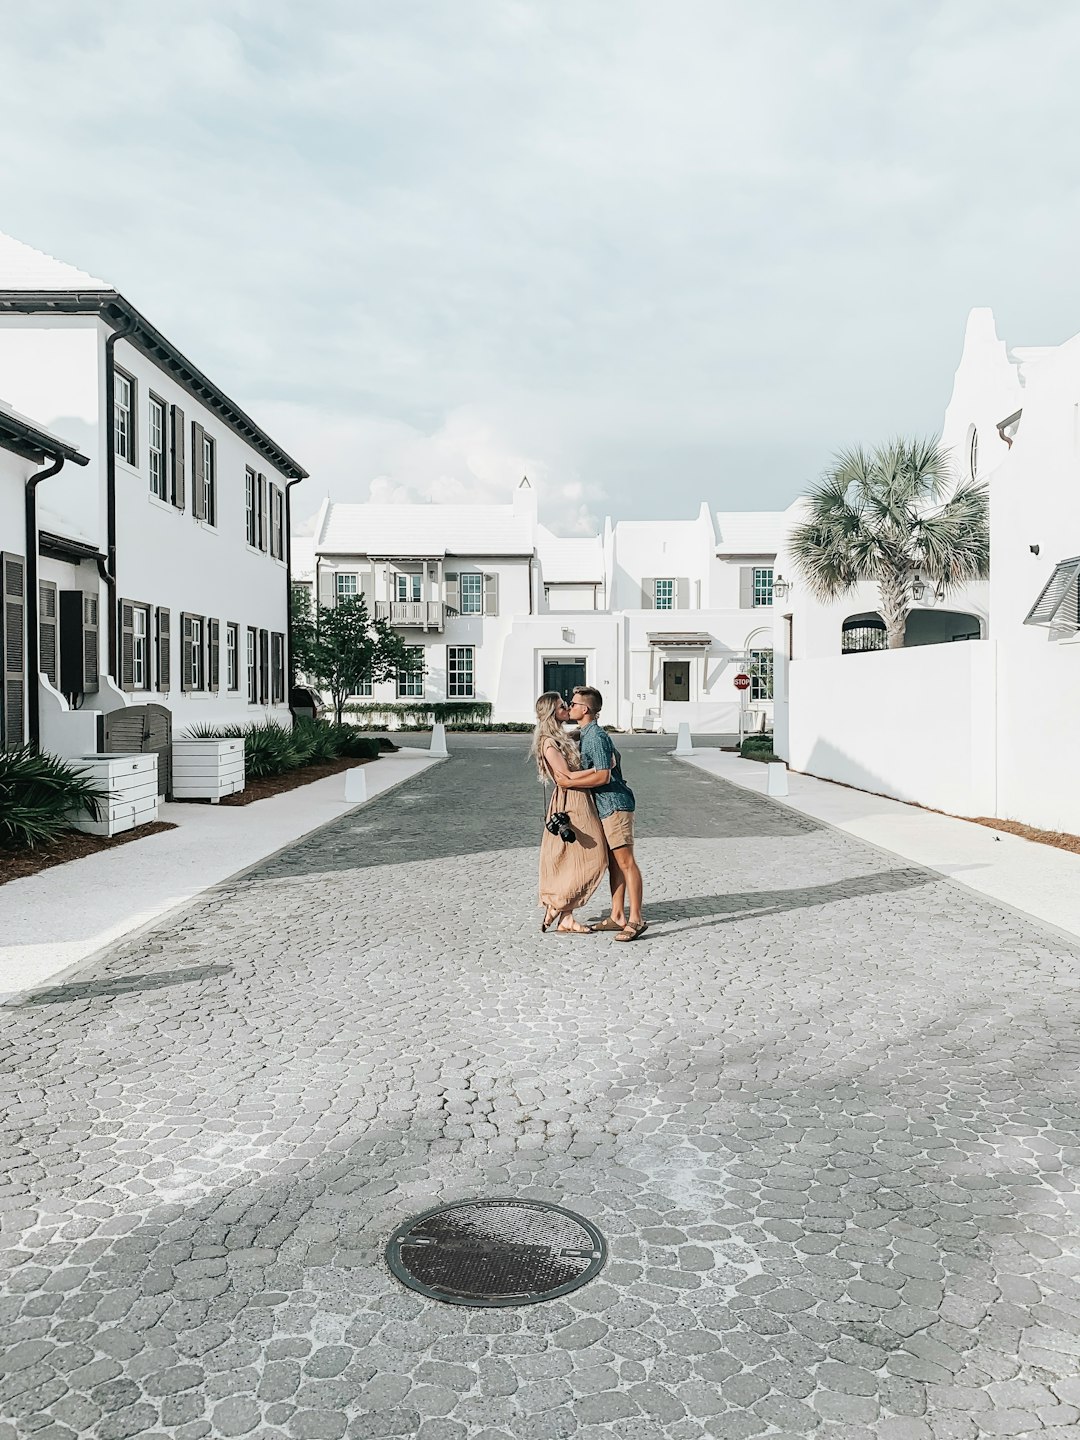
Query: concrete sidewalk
<point>57,918</point>
<point>1039,880</point>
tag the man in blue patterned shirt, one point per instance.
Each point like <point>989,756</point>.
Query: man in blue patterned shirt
<point>615,805</point>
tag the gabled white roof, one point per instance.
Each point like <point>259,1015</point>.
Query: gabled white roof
<point>566,562</point>
<point>24,268</point>
<point>401,531</point>
<point>750,532</point>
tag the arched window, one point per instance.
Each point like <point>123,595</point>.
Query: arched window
<point>863,632</point>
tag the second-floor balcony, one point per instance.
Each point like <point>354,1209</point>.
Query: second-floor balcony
<point>412,614</point>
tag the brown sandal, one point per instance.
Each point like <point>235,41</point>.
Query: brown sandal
<point>631,932</point>
<point>607,924</point>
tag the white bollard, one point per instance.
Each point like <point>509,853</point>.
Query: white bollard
<point>684,745</point>
<point>777,778</point>
<point>438,739</point>
<point>356,785</point>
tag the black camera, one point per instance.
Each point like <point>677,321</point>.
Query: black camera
<point>559,824</point>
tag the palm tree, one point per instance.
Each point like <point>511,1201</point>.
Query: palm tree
<point>883,516</point>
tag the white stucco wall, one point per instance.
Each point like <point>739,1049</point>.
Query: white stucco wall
<point>914,724</point>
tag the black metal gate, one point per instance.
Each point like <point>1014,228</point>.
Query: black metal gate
<point>140,730</point>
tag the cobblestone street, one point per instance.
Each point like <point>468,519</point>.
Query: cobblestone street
<point>825,1113</point>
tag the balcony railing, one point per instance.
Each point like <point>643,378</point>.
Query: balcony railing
<point>412,614</point>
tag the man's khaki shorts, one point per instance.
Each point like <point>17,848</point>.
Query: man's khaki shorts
<point>619,829</point>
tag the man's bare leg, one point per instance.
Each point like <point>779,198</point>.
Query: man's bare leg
<point>632,881</point>
<point>617,880</point>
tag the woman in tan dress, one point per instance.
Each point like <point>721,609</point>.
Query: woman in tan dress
<point>569,871</point>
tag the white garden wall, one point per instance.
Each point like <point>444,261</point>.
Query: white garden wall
<point>916,724</point>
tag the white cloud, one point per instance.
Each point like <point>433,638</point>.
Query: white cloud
<point>658,252</point>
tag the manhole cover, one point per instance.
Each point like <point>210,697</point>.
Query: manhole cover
<point>496,1252</point>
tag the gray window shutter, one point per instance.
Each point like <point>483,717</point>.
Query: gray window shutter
<point>682,594</point>
<point>187,652</point>
<point>264,667</point>
<point>453,591</point>
<point>127,645</point>
<point>648,594</point>
<point>263,527</point>
<point>214,654</point>
<point>491,594</point>
<point>178,444</point>
<point>365,586</point>
<point>746,587</point>
<point>164,652</point>
<point>277,667</point>
<point>48,647</point>
<point>90,642</point>
<point>13,645</point>
<point>327,589</point>
<point>198,472</point>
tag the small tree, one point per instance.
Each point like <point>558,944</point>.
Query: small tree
<point>341,648</point>
<point>883,516</point>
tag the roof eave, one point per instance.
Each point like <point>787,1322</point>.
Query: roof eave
<point>24,439</point>
<point>111,306</point>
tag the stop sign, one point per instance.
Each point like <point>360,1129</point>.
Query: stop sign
<point>742,682</point>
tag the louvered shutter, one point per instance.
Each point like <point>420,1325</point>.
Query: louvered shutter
<point>365,585</point>
<point>262,513</point>
<point>48,622</point>
<point>214,658</point>
<point>187,652</point>
<point>198,472</point>
<point>91,673</point>
<point>277,667</point>
<point>275,499</point>
<point>453,591</point>
<point>682,594</point>
<point>327,589</point>
<point>746,587</point>
<point>13,646</point>
<point>164,652</point>
<point>178,454</point>
<point>264,667</point>
<point>648,594</point>
<point>127,645</point>
<point>491,594</point>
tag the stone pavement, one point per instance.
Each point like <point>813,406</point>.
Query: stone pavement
<point>825,1113</point>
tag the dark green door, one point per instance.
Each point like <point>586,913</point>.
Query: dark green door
<point>563,675</point>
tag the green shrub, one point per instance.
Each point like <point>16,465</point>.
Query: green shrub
<point>39,796</point>
<point>454,714</point>
<point>760,743</point>
<point>268,749</point>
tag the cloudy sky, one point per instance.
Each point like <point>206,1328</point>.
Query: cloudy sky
<point>647,251</point>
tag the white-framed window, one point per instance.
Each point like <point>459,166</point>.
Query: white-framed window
<point>345,586</point>
<point>277,523</point>
<point>408,587</point>
<point>761,674</point>
<point>232,656</point>
<point>251,486</point>
<point>763,577</point>
<point>209,480</point>
<point>472,593</point>
<point>159,482</point>
<point>140,647</point>
<point>365,690</point>
<point>410,680</point>
<point>665,594</point>
<point>252,667</point>
<point>124,416</point>
<point>460,679</point>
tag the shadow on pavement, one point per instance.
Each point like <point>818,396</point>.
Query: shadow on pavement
<point>106,987</point>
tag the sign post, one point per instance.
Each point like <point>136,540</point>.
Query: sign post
<point>742,685</point>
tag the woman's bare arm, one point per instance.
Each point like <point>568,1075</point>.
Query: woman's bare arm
<point>572,779</point>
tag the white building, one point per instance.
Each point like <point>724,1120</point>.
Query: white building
<point>658,615</point>
<point>176,531</point>
<point>980,728</point>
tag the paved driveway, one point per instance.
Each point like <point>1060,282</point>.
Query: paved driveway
<point>826,1114</point>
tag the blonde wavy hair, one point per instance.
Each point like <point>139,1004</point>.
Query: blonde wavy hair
<point>549,732</point>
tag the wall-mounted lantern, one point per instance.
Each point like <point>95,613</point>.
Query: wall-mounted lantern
<point>780,587</point>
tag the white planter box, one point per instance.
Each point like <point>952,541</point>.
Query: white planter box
<point>207,769</point>
<point>131,781</point>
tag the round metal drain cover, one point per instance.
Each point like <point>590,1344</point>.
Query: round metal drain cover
<point>496,1252</point>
